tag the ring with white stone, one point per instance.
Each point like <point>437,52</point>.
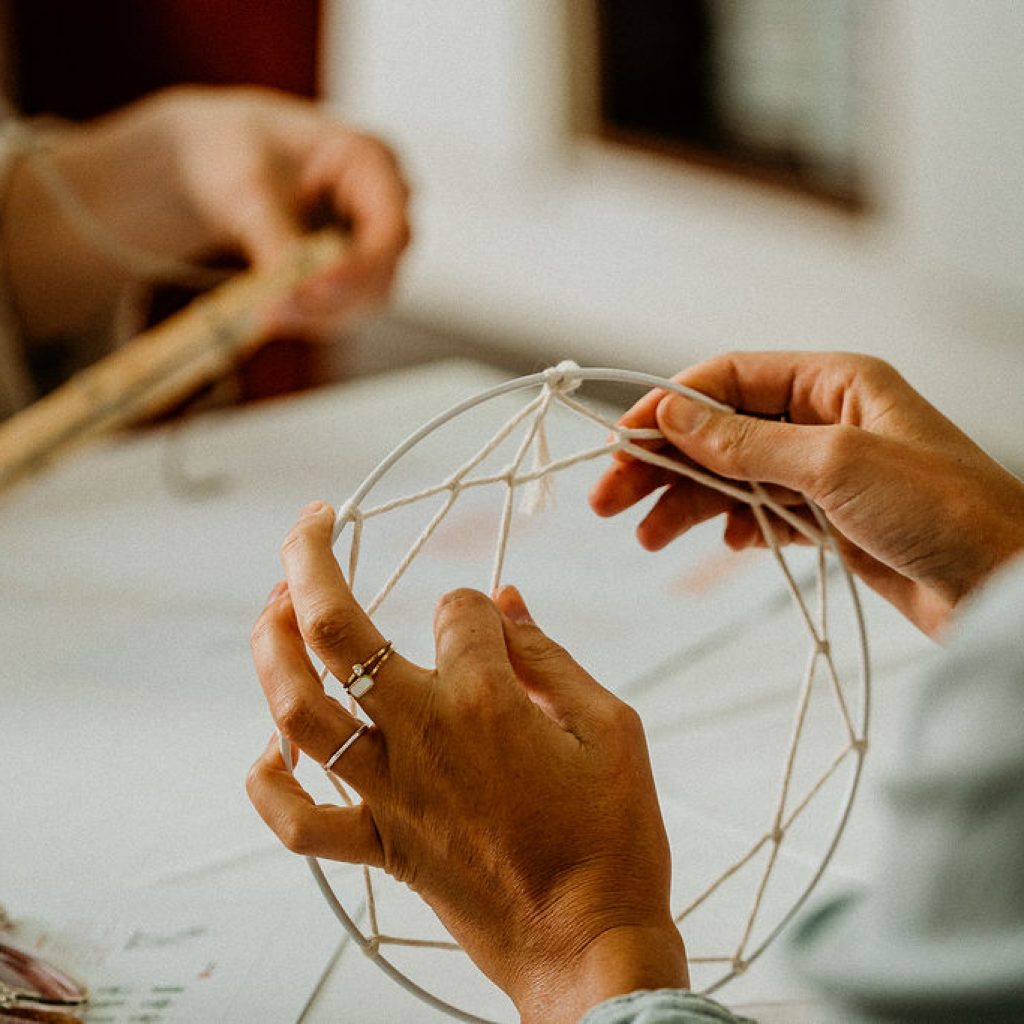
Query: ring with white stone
<point>361,678</point>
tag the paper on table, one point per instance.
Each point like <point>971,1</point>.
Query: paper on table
<point>186,954</point>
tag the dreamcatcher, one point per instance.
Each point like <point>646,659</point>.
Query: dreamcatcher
<point>828,695</point>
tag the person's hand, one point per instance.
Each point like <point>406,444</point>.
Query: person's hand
<point>922,514</point>
<point>194,171</point>
<point>255,165</point>
<point>505,786</point>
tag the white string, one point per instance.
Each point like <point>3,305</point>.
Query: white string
<point>557,386</point>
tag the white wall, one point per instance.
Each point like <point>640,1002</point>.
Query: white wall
<point>612,257</point>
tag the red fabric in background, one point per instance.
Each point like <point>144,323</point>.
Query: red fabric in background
<point>81,58</point>
<point>78,59</point>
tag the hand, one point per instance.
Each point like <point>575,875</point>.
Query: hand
<point>255,164</point>
<point>922,514</point>
<point>505,786</point>
<point>193,170</point>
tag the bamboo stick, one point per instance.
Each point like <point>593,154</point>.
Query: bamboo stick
<point>159,367</point>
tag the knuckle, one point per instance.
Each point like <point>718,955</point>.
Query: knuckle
<point>730,447</point>
<point>260,631</point>
<point>253,779</point>
<point>627,717</point>
<point>540,649</point>
<point>474,704</point>
<point>620,717</point>
<point>363,144</point>
<point>378,148</point>
<point>488,711</point>
<point>872,372</point>
<point>295,835</point>
<point>325,627</point>
<point>873,369</point>
<point>296,717</point>
<point>842,449</point>
<point>483,683</point>
<point>293,541</point>
<point>371,154</point>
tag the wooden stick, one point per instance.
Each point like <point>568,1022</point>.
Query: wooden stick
<point>159,367</point>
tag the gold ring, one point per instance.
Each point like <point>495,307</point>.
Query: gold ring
<point>361,678</point>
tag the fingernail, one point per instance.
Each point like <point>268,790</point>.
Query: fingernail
<point>279,589</point>
<point>513,605</point>
<point>313,508</point>
<point>683,415</point>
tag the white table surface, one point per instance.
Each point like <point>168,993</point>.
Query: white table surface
<point>128,708</point>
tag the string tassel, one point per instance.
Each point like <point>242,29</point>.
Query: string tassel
<point>539,493</point>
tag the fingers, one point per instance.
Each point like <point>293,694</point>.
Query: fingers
<point>306,716</point>
<point>470,645</point>
<point>744,447</point>
<point>624,484</point>
<point>361,179</point>
<point>340,833</point>
<point>331,622</point>
<point>265,226</point>
<point>549,674</point>
<point>811,388</point>
<point>342,176</point>
<point>375,196</point>
<point>492,651</point>
<point>684,504</point>
<point>742,530</point>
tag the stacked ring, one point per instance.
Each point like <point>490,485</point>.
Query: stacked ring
<point>363,674</point>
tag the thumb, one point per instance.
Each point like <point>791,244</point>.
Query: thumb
<point>745,447</point>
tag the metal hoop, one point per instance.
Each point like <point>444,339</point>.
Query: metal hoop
<point>349,512</point>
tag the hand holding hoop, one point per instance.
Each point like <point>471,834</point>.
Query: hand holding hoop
<point>493,785</point>
<point>922,514</point>
<point>627,955</point>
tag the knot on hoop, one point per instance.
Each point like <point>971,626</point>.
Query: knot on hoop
<point>348,512</point>
<point>738,965</point>
<point>371,947</point>
<point>563,378</point>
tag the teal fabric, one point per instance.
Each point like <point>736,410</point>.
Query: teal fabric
<point>662,1006</point>
<point>940,937</point>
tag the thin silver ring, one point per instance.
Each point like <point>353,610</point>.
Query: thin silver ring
<point>329,763</point>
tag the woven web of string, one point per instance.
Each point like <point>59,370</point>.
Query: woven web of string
<point>559,385</point>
